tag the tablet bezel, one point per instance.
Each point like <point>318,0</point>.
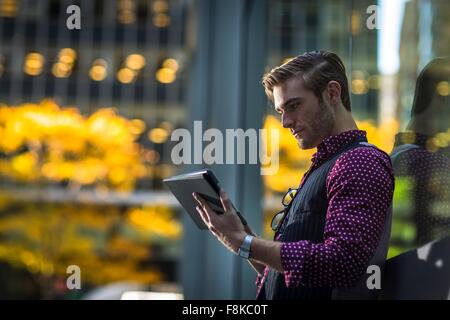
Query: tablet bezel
<point>182,196</point>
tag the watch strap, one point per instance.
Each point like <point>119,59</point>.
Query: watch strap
<point>244,250</point>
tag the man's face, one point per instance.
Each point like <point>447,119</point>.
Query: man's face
<point>309,119</point>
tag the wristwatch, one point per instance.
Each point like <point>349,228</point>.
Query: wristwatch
<point>244,250</point>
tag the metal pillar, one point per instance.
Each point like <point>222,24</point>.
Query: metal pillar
<point>225,92</point>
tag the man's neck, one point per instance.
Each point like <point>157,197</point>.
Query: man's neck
<point>343,122</point>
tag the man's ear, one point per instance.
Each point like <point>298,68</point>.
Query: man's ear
<point>334,92</point>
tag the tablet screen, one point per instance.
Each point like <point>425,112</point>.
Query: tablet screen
<point>202,182</point>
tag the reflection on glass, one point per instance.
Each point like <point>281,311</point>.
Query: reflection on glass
<point>422,164</point>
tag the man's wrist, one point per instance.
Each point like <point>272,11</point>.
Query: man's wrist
<point>237,239</point>
<point>249,231</point>
<point>244,250</point>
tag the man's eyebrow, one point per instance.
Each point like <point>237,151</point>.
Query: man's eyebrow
<point>290,101</point>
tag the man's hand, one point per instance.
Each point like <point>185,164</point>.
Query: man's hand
<point>227,227</point>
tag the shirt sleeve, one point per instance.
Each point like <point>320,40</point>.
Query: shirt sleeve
<point>359,190</point>
<point>258,279</point>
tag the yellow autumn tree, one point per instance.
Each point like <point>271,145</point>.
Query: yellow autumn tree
<point>44,144</point>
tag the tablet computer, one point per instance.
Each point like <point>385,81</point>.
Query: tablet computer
<point>203,182</point>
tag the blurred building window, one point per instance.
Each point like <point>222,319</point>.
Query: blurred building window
<point>88,115</point>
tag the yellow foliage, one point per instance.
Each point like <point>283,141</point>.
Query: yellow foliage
<point>106,244</point>
<point>382,136</point>
<point>155,220</point>
<point>24,165</point>
<point>47,143</point>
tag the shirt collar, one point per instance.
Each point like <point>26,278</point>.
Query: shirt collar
<point>410,137</point>
<point>332,144</point>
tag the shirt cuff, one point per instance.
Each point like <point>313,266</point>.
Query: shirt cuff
<point>293,255</point>
<point>258,279</point>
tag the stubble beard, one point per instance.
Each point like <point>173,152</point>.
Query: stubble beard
<point>321,127</point>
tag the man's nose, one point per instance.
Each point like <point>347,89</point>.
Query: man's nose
<point>286,121</point>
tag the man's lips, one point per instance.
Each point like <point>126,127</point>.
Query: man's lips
<point>297,133</point>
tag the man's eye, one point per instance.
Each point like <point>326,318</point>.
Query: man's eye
<point>293,106</point>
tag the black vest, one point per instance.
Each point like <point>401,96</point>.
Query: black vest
<point>305,221</point>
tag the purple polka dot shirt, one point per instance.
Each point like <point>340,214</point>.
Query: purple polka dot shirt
<point>359,190</point>
<point>430,192</point>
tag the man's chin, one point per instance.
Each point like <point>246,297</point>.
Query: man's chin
<point>304,145</point>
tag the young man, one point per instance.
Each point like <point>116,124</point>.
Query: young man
<point>332,228</point>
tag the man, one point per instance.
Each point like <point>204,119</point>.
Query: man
<point>421,161</point>
<point>331,229</point>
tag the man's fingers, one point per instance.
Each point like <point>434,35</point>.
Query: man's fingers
<point>203,215</point>
<point>225,200</point>
<point>214,231</point>
<point>202,203</point>
<point>205,219</point>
